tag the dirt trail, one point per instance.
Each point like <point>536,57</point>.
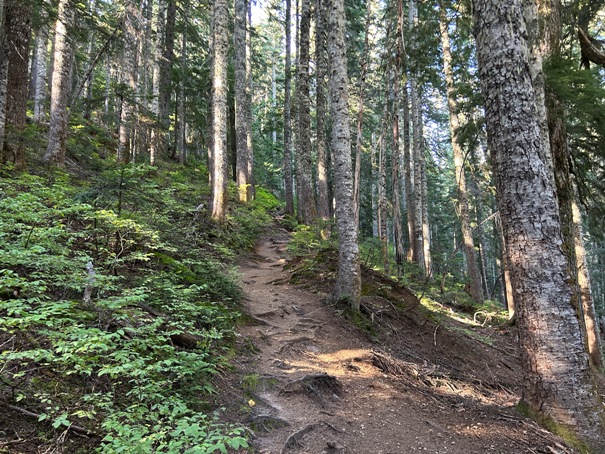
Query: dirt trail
<point>316,384</point>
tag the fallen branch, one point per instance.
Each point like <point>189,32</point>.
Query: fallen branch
<point>70,426</point>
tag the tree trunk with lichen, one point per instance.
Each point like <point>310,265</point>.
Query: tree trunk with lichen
<point>558,385</point>
<point>348,280</point>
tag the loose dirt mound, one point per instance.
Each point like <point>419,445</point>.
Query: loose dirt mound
<point>313,381</point>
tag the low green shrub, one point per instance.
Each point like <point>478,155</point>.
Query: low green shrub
<point>112,315</point>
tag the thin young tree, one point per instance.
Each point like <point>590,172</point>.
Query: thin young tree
<point>348,280</point>
<point>557,378</point>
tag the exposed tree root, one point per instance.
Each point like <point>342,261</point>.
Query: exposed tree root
<point>317,385</point>
<point>295,440</point>
<point>289,345</point>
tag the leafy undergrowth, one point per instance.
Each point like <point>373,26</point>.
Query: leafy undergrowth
<point>117,309</point>
<point>315,256</point>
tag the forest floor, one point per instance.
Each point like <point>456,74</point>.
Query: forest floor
<point>310,380</point>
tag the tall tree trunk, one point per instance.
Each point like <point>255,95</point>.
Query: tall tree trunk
<point>507,287</point>
<point>249,89</point>
<point>128,79</point>
<point>61,84</point>
<point>15,50</point>
<point>241,100</point>
<point>408,171</point>
<point>307,209</point>
<point>360,108</point>
<point>593,338</point>
<point>157,28</point>
<point>382,199</point>
<point>40,69</point>
<point>348,280</point>
<point>545,16</point>
<point>557,383</point>
<point>426,231</point>
<point>182,123</point>
<point>288,183</point>
<point>323,201</point>
<point>396,152</point>
<point>165,76</point>
<point>3,75</point>
<point>88,76</point>
<point>373,150</point>
<point>220,13</point>
<point>463,205</point>
<point>416,194</point>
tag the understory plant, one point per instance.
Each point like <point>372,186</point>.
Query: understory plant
<point>117,307</point>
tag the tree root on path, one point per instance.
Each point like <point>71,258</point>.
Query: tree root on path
<point>267,422</point>
<point>295,440</point>
<point>288,346</point>
<point>317,385</point>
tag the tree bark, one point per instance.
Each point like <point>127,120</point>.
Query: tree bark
<point>57,131</point>
<point>15,52</point>
<point>396,152</point>
<point>360,108</point>
<point>3,76</point>
<point>382,198</point>
<point>408,171</point>
<point>182,96</point>
<point>128,80</point>
<point>426,230</point>
<point>547,20</point>
<point>241,101</point>
<point>307,209</point>
<point>463,206</point>
<point>220,13</point>
<point>251,191</point>
<point>323,202</point>
<point>41,69</point>
<point>288,183</point>
<point>165,79</point>
<point>157,26</point>
<point>348,280</point>
<point>557,377</point>
<point>416,189</point>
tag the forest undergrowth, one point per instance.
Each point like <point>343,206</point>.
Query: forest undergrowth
<point>118,307</point>
<point>120,303</point>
